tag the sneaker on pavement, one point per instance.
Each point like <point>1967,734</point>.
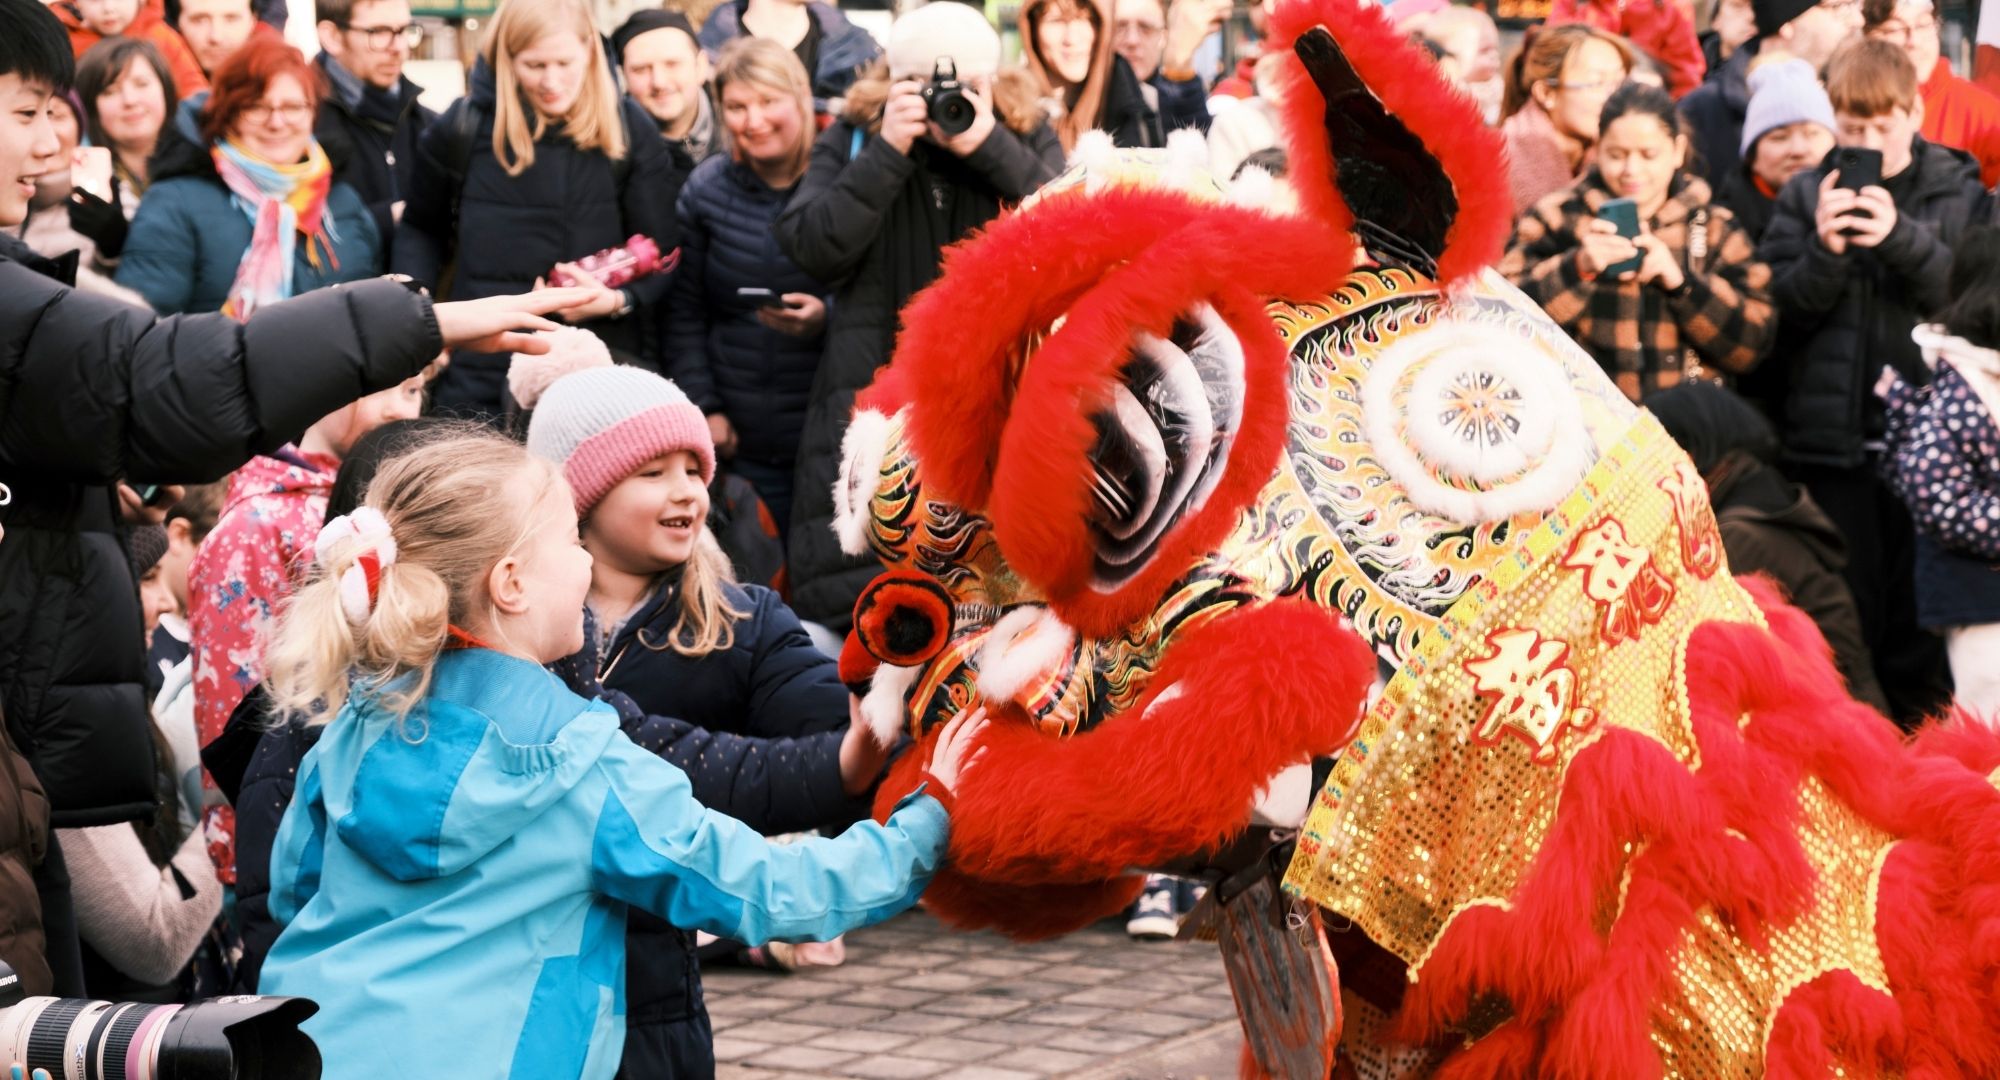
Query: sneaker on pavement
<point>1153,916</point>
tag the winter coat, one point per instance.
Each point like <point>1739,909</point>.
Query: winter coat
<point>1125,113</point>
<point>1962,114</point>
<point>757,728</point>
<point>1771,526</point>
<point>520,829</point>
<point>1639,333</point>
<point>1660,28</point>
<point>1537,164</point>
<point>844,48</point>
<point>374,133</point>
<point>237,583</point>
<point>92,390</point>
<point>717,352</point>
<point>24,838</point>
<point>873,223</point>
<point>1944,463</point>
<point>150,24</point>
<point>503,232</point>
<point>1715,110</point>
<point>190,233</point>
<point>1746,197</point>
<point>1183,103</point>
<point>1847,316</point>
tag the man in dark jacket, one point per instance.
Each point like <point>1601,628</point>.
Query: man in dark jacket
<point>667,74</point>
<point>1807,30</point>
<point>1159,42</point>
<point>883,197</point>
<point>832,49</point>
<point>370,119</point>
<point>1853,274</point>
<point>94,391</point>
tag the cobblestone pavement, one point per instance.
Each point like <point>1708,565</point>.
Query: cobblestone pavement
<point>915,1000</point>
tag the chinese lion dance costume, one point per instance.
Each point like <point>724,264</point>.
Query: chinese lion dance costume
<point>1164,481</point>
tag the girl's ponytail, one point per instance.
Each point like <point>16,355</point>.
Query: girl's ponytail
<point>389,582</point>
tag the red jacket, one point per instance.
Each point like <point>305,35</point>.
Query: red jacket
<point>1960,114</point>
<point>150,24</point>
<point>1660,28</point>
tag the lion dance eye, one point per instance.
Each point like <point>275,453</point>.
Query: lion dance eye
<point>1163,442</point>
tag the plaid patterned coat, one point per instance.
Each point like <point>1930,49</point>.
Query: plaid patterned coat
<point>1645,339</point>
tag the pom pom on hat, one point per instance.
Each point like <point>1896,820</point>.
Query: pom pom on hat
<point>943,29</point>
<point>601,423</point>
<point>570,349</point>
<point>1783,93</point>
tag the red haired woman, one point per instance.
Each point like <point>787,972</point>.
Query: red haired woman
<point>243,211</point>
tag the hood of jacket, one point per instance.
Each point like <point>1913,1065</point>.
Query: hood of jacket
<point>286,471</point>
<point>490,748</point>
<point>1759,494</point>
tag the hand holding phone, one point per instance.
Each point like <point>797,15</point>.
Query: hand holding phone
<point>1609,241</point>
<point>760,297</point>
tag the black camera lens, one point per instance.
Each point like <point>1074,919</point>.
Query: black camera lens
<point>952,113</point>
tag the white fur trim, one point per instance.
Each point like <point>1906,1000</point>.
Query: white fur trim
<point>1286,798</point>
<point>1025,643</point>
<point>861,451</point>
<point>884,707</point>
<point>1187,159</point>
<point>1531,471</point>
<point>1253,188</point>
<point>1097,155</point>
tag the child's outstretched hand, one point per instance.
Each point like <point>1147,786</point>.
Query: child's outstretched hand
<point>954,753</point>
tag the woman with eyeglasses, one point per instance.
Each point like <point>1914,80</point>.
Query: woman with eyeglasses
<point>1557,83</point>
<point>243,210</point>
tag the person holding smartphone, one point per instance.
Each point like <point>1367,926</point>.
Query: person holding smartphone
<point>745,325</point>
<point>1859,261</point>
<point>1637,262</point>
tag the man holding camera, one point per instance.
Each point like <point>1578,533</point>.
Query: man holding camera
<point>892,183</point>
<point>1857,262</point>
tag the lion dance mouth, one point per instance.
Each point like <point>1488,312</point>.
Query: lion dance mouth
<point>1166,482</point>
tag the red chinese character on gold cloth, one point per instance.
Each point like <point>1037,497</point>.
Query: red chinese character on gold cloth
<point>1531,690</point>
<point>1701,539</point>
<point>1620,576</point>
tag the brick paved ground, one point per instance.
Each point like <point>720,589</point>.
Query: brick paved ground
<point>915,1000</point>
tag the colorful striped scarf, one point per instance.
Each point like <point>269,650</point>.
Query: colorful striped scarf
<point>281,201</point>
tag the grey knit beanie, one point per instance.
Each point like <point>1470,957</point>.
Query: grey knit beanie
<point>1783,92</point>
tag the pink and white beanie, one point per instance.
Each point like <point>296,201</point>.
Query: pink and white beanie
<point>598,424</point>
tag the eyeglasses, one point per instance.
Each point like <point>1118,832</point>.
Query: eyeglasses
<point>1594,86</point>
<point>291,111</point>
<point>382,38</point>
<point>1903,33</point>
<point>1142,31</point>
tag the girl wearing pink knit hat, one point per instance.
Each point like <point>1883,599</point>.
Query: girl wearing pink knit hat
<point>759,718</point>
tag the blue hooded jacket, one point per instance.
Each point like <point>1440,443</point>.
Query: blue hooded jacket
<point>456,904</point>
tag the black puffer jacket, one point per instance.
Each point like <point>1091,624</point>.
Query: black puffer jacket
<point>874,223</point>
<point>375,134</point>
<point>717,352</point>
<point>1847,316</point>
<point>1715,111</point>
<point>504,231</point>
<point>92,390</point>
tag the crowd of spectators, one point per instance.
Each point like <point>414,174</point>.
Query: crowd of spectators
<point>1822,344</point>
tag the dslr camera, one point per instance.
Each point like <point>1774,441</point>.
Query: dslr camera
<point>945,100</point>
<point>227,1038</point>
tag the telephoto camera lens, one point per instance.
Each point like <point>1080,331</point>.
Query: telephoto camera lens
<point>229,1038</point>
<point>949,108</point>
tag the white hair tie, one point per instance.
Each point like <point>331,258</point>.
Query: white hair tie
<point>360,582</point>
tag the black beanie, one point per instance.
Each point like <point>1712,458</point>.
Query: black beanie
<point>144,546</point>
<point>647,21</point>
<point>1772,15</point>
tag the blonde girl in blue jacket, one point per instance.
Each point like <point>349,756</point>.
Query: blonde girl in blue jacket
<point>453,873</point>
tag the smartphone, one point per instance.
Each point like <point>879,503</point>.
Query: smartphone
<point>1858,166</point>
<point>763,298</point>
<point>1623,213</point>
<point>90,170</point>
<point>151,494</point>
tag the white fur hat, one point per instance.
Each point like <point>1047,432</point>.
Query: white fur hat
<point>943,29</point>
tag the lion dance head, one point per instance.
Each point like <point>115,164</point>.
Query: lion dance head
<point>1167,482</point>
